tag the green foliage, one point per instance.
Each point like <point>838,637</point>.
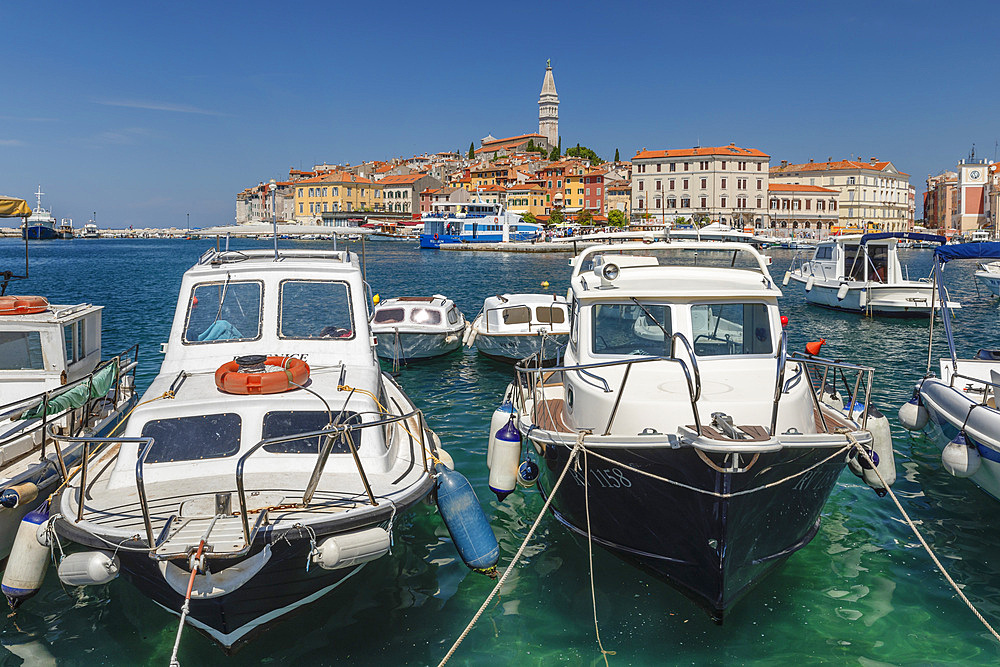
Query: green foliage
<point>700,220</point>
<point>680,220</point>
<point>554,155</point>
<point>616,218</point>
<point>528,218</point>
<point>585,217</point>
<point>530,147</point>
<point>472,150</point>
<point>584,153</point>
<point>556,217</point>
<point>616,155</point>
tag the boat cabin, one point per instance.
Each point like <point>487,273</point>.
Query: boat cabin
<point>416,312</point>
<point>519,313</point>
<point>848,258</point>
<point>41,351</point>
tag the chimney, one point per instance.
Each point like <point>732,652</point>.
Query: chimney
<point>784,163</point>
<point>873,159</point>
<point>830,159</point>
<point>810,160</point>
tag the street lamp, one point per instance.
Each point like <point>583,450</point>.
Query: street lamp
<point>274,216</point>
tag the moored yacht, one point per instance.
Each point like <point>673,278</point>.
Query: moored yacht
<point>270,459</point>
<point>417,327</point>
<point>705,454</point>
<point>40,224</point>
<point>512,327</point>
<point>862,274</point>
<point>989,275</point>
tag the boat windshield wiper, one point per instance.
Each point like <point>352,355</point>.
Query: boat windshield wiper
<point>666,334</point>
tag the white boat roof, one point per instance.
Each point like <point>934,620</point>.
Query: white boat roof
<point>54,314</point>
<point>511,300</point>
<point>437,301</point>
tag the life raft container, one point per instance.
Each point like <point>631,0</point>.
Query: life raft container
<point>247,375</point>
<point>23,305</point>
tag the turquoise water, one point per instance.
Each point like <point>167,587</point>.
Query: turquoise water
<point>863,591</point>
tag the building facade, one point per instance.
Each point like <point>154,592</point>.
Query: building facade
<point>808,211</point>
<point>401,194</point>
<point>618,197</point>
<point>874,195</point>
<point>971,205</point>
<point>940,201</point>
<point>726,184</point>
<point>335,191</point>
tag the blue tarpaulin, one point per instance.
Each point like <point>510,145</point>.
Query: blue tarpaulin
<point>909,236</point>
<point>979,250</point>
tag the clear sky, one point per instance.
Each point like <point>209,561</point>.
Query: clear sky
<point>147,112</point>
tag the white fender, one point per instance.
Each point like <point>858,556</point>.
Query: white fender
<point>842,291</point>
<point>863,297</point>
<point>89,568</point>
<point>878,426</point>
<point>472,337</point>
<point>784,281</point>
<point>349,549</point>
<point>214,584</point>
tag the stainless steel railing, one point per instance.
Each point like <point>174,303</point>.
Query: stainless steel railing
<point>819,369</point>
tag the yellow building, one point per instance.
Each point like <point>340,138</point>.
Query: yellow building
<point>573,197</point>
<point>526,199</point>
<point>335,191</point>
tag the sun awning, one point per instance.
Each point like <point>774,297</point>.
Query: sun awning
<point>12,207</point>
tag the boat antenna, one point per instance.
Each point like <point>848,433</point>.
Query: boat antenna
<point>274,216</point>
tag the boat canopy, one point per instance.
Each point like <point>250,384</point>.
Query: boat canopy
<point>980,250</point>
<point>911,236</point>
<point>12,207</point>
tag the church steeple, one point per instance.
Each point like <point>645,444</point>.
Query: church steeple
<point>548,108</point>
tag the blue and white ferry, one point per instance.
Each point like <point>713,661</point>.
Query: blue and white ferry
<point>40,224</point>
<point>478,222</point>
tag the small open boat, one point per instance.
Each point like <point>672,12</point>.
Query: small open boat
<point>511,327</point>
<point>417,327</point>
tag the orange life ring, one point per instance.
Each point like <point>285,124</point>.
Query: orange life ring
<point>23,305</point>
<point>293,372</point>
<point>435,237</point>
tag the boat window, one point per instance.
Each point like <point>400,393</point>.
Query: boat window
<point>631,329</point>
<point>730,328</point>
<point>389,315</point>
<point>452,315</point>
<point>69,337</point>
<point>193,438</point>
<point>81,349</point>
<point>824,252</point>
<point>315,309</point>
<point>854,262</point>
<point>878,256</point>
<point>425,316</point>
<point>550,314</point>
<point>223,311</point>
<point>517,315</point>
<point>278,424</point>
<point>21,350</point>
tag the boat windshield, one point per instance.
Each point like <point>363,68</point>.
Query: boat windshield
<point>290,422</point>
<point>315,309</point>
<point>389,315</point>
<point>425,316</point>
<point>631,329</point>
<point>730,328</point>
<point>550,314</point>
<point>21,350</point>
<point>223,311</point>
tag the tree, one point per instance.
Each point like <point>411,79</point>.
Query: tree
<point>616,155</point>
<point>585,217</point>
<point>556,217</point>
<point>529,218</point>
<point>700,220</point>
<point>584,153</point>
<point>616,218</point>
<point>472,150</point>
<point>554,155</point>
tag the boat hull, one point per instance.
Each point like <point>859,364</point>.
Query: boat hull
<point>512,348</point>
<point>948,412</point>
<point>435,241</point>
<point>712,549</point>
<point>404,346</point>
<point>886,300</point>
<point>39,232</point>
<point>989,280</point>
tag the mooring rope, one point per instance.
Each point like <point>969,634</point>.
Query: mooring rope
<point>520,551</point>
<point>590,557</point>
<point>923,542</point>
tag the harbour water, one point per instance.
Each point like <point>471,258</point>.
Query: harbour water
<point>863,591</point>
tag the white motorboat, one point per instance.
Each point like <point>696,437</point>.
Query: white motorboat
<point>417,327</point>
<point>270,459</point>
<point>705,454</point>
<point>51,376</point>
<point>512,327</point>
<point>989,275</point>
<point>959,407</point>
<point>90,231</point>
<point>862,274</point>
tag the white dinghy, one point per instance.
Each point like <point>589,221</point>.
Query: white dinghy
<point>989,275</point>
<point>270,458</point>
<point>959,408</point>
<point>705,453</point>
<point>862,274</point>
<point>512,327</point>
<point>417,327</point>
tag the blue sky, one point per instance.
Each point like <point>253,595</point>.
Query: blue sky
<point>147,114</point>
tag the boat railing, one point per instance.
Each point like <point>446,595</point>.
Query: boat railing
<point>331,435</point>
<point>819,372</point>
<point>972,388</point>
<point>780,379</point>
<point>532,373</point>
<point>125,363</point>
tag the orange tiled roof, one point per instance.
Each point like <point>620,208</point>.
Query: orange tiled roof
<point>788,187</point>
<point>725,151</point>
<point>335,177</point>
<point>834,166</point>
<point>402,179</point>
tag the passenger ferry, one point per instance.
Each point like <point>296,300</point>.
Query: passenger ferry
<point>476,223</point>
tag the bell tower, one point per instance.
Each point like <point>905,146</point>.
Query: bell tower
<point>548,108</point>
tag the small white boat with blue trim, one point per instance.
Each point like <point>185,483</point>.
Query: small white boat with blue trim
<point>989,275</point>
<point>863,274</point>
<point>475,222</point>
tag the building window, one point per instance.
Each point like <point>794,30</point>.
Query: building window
<point>760,184</point>
<point>850,180</point>
<point>807,204</point>
<point>724,183</point>
<point>685,184</point>
<point>658,166</point>
<point>722,202</point>
<point>819,205</point>
<point>685,202</point>
<point>723,164</point>
<point>704,202</point>
<point>773,204</point>
<point>704,183</point>
<point>657,200</point>
<point>659,185</point>
<point>672,202</point>
<point>687,166</point>
<point>742,166</point>
<point>300,194</point>
<point>672,183</point>
<point>640,185</point>
<point>760,202</point>
<point>673,166</point>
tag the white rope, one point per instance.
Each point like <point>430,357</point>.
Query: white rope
<point>923,542</point>
<point>517,556</point>
<point>590,557</point>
